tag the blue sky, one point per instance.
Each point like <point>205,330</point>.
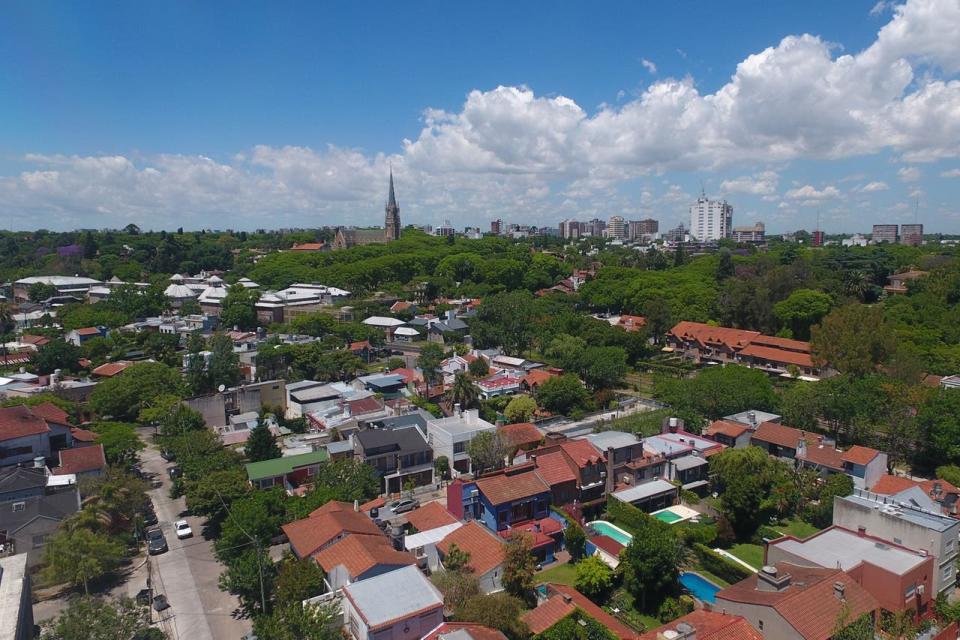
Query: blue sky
<point>259,115</point>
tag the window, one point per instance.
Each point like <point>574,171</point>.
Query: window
<point>911,590</point>
<point>950,545</point>
<point>947,572</point>
<point>19,506</point>
<point>760,625</point>
<point>39,541</point>
<point>459,447</point>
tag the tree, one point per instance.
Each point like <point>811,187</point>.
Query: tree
<point>462,391</point>
<point>441,464</point>
<point>431,355</point>
<point>40,291</point>
<point>87,618</point>
<point>744,478</point>
<point>566,351</point>
<point>939,423</point>
<point>520,409</point>
<point>519,565</point>
<point>224,365</point>
<point>238,308</point>
<point>352,479</point>
<point>801,310</point>
<point>456,559</point>
<point>950,473</point>
<point>57,354</point>
<point>487,451</point>
<point>301,622</point>
<point>577,626</point>
<point>179,420</point>
<point>594,577</point>
<point>853,339</point>
<point>478,368</point>
<point>800,405</point>
<point>79,556</point>
<point>120,442</point>
<point>562,394</point>
<point>821,514</point>
<point>719,391</point>
<point>457,587</point>
<point>498,610</point>
<point>725,266</point>
<point>210,495</point>
<point>505,319</point>
<point>862,628</point>
<point>575,540</point>
<point>261,445</point>
<point>250,576</point>
<point>603,367</point>
<point>651,562</point>
<point>123,397</point>
<point>297,580</point>
<point>659,316</point>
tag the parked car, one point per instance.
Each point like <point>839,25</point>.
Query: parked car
<point>182,527</point>
<point>404,505</point>
<point>150,516</point>
<point>169,456</point>
<point>173,472</point>
<point>156,542</point>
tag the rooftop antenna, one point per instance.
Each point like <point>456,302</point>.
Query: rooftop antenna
<point>703,190</point>
<point>916,209</point>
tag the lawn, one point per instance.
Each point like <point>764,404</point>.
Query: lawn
<point>560,573</point>
<point>752,554</point>
<point>796,528</point>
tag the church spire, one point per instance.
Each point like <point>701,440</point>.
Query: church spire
<point>392,220</point>
<point>391,199</point>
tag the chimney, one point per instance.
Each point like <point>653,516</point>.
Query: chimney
<point>802,447</point>
<point>356,505</point>
<point>567,598</point>
<point>39,463</point>
<point>609,487</point>
<point>752,419</point>
<point>770,579</point>
<point>456,410</point>
<point>838,590</point>
<point>451,314</point>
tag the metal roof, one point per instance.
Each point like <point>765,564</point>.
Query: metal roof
<point>644,490</point>
<point>372,596</point>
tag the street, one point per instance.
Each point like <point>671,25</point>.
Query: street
<point>188,573</point>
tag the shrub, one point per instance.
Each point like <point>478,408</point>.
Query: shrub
<point>718,565</point>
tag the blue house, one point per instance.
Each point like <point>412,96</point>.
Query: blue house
<point>513,496</point>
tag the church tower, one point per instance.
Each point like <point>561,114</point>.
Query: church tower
<point>392,222</point>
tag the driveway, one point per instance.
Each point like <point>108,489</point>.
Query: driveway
<point>188,573</point>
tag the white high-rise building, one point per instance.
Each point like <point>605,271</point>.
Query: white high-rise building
<point>616,228</point>
<point>710,220</point>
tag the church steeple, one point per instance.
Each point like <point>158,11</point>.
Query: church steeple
<point>392,220</point>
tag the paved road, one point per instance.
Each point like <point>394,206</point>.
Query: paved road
<point>188,573</point>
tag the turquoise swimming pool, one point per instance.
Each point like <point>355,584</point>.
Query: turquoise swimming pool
<point>699,587</point>
<point>605,528</point>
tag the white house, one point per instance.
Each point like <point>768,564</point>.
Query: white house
<point>450,436</point>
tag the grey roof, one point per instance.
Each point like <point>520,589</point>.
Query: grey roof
<point>644,490</point>
<point>616,439</point>
<point>758,417</point>
<point>418,419</point>
<point>382,380</point>
<point>845,549</point>
<point>342,446</point>
<point>689,462</point>
<point>56,507</point>
<point>453,324</point>
<point>316,394</point>
<point>900,509</point>
<point>407,440</point>
<point>303,384</point>
<point>15,479</point>
<point>372,596</point>
<point>13,571</point>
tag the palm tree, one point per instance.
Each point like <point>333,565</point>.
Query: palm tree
<point>462,391</point>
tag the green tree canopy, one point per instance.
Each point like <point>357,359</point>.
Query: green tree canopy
<point>853,339</point>
<point>123,397</point>
<point>562,394</point>
<point>238,308</point>
<point>261,445</point>
<point>651,562</point>
<point>520,409</point>
<point>593,578</point>
<point>79,556</point>
<point>801,310</point>
<point>87,618</point>
<point>57,354</point>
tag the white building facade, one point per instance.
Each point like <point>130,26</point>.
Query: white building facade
<point>710,220</point>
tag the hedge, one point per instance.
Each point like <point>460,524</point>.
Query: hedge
<point>720,566</point>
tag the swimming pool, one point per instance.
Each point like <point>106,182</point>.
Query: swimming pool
<point>605,528</point>
<point>667,516</point>
<point>699,587</point>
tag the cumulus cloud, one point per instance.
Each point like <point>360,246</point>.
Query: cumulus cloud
<point>909,174</point>
<point>950,173</point>
<point>649,66</point>
<point>873,186</point>
<point>507,147</point>
<point>880,8</point>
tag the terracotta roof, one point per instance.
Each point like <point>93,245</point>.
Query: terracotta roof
<point>780,356</point>
<point>565,601</point>
<point>706,334</point>
<point>376,503</point>
<point>308,535</point>
<point>541,532</point>
<point>88,331</point>
<point>824,456</point>
<point>581,452</point>
<point>364,405</point>
<point>808,604</point>
<point>359,554</point>
<point>607,544</point>
<point>485,549</point>
<point>726,428</point>
<point>430,516</point>
<point>889,485</point>
<point>308,246</point>
<point>860,455</point>
<point>82,435</point>
<point>20,422</point>
<point>711,625</point>
<point>631,323</point>
<point>409,375</point>
<point>555,468</point>
<point>51,413</point>
<point>512,484</point>
<point>782,343</point>
<point>110,369</point>
<point>37,341</point>
<point>521,434</point>
<point>537,377</point>
<point>357,346</point>
<point>473,630</point>
<point>400,305</point>
<point>81,460</point>
<point>778,434</point>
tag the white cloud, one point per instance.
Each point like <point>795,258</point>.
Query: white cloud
<point>873,186</point>
<point>909,174</point>
<point>649,66</point>
<point>763,184</point>
<point>950,173</point>
<point>508,149</point>
<point>881,7</point>
<point>810,193</point>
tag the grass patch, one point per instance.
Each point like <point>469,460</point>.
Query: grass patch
<point>712,577</point>
<point>752,554</point>
<point>562,573</point>
<point>797,528</point>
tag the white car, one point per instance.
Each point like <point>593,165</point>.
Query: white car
<point>183,529</point>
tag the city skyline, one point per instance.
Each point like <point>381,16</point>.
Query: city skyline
<point>118,116</point>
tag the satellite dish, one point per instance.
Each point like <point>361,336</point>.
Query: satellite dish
<point>222,388</point>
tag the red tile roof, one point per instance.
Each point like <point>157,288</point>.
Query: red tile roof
<point>778,434</point>
<point>110,369</point>
<point>631,323</point>
<point>782,343</point>
<point>81,460</point>
<point>308,246</point>
<point>430,516</point>
<point>706,334</point>
<point>333,519</point>
<point>565,601</point>
<point>82,435</point>
<point>485,549</point>
<point>472,629</point>
<point>824,456</point>
<point>521,434</point>
<point>889,485</point>
<point>555,468</point>
<point>376,503</point>
<point>726,428</point>
<point>537,377</point>
<point>358,346</point>
<point>51,413</point>
<point>711,625</point>
<point>401,305</point>
<point>20,422</point>
<point>409,375</point>
<point>359,554</point>
<point>37,341</point>
<point>88,331</point>
<point>860,455</point>
<point>581,452</point>
<point>808,604</point>
<point>513,483</point>
<point>779,356</point>
<point>541,532</point>
<point>607,544</point>
<point>364,405</point>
